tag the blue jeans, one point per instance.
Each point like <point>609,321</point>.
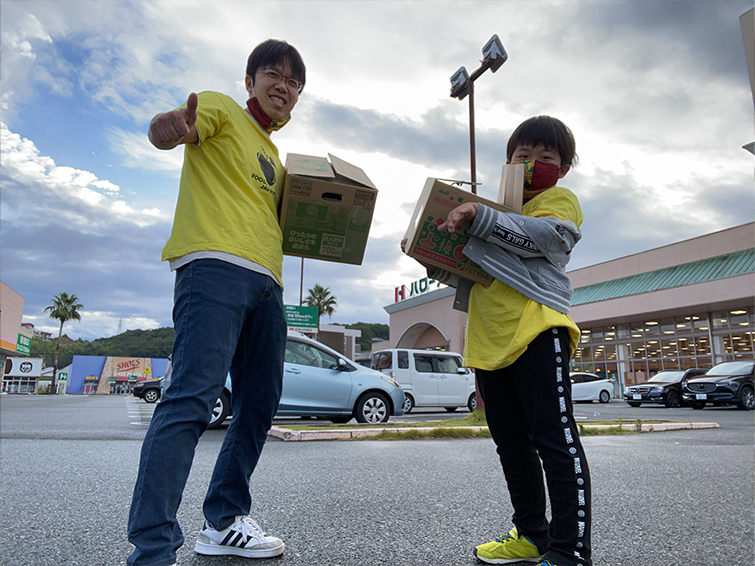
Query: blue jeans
<point>226,318</point>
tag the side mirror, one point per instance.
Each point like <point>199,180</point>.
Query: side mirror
<point>342,365</point>
<point>461,370</point>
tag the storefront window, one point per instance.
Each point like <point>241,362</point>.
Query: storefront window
<point>686,346</point>
<point>738,318</point>
<point>700,323</point>
<point>636,331</point>
<point>683,325</point>
<point>667,327</point>
<point>587,354</point>
<point>651,328</point>
<point>622,331</point>
<point>669,348</point>
<point>638,351</point>
<point>720,320</point>
<point>653,349</point>
<point>610,352</point>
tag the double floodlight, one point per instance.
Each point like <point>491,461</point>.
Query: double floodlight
<point>493,56</point>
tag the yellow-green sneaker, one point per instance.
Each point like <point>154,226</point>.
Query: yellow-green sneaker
<point>508,549</point>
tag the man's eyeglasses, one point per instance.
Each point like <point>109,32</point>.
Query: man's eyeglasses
<point>276,77</point>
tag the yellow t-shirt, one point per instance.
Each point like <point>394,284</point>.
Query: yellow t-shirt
<point>230,188</point>
<point>501,321</point>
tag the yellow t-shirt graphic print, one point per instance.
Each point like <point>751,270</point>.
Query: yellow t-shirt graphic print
<point>231,184</point>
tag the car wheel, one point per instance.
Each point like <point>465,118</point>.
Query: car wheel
<point>151,395</point>
<point>472,402</point>
<point>746,399</point>
<point>698,405</point>
<point>408,404</point>
<point>339,420</point>
<point>672,400</point>
<point>604,396</point>
<point>634,404</point>
<point>450,409</point>
<point>372,408</point>
<point>221,411</point>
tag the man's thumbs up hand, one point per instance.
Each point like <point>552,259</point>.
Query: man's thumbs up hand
<point>170,129</point>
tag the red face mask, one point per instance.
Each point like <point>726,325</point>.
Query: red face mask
<point>538,176</point>
<point>267,123</point>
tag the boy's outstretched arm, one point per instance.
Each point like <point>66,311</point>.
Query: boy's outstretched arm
<point>169,129</point>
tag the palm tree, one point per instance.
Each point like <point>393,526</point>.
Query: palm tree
<point>64,307</point>
<point>321,298</point>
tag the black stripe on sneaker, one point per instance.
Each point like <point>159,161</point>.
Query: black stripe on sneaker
<point>228,537</point>
<point>238,540</point>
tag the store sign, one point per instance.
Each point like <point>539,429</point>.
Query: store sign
<point>418,287</point>
<point>62,376</point>
<point>23,367</point>
<point>302,319</point>
<point>23,344</point>
<point>92,378</point>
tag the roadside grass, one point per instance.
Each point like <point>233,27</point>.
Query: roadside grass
<point>460,428</point>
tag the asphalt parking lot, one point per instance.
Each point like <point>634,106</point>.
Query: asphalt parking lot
<point>68,467</point>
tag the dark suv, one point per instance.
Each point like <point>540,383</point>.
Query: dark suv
<point>665,388</point>
<point>728,383</point>
<point>149,390</point>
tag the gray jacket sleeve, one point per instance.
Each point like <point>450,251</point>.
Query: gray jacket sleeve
<point>526,236</point>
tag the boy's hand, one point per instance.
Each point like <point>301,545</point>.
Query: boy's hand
<point>170,129</point>
<point>459,218</point>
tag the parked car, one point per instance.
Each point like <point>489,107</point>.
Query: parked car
<point>727,383</point>
<point>320,382</point>
<point>149,390</point>
<point>590,387</point>
<point>665,387</point>
<point>429,378</point>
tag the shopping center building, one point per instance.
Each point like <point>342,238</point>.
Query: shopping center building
<point>688,304</point>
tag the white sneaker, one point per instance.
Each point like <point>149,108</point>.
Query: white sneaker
<point>243,538</point>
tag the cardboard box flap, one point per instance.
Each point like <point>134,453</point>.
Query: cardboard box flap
<point>309,165</point>
<point>351,172</point>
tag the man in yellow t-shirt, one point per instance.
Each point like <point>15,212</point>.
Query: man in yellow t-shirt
<point>226,250</point>
<point>519,339</point>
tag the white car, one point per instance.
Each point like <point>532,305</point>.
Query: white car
<point>590,387</point>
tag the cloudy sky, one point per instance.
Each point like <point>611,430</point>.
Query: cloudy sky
<point>656,92</point>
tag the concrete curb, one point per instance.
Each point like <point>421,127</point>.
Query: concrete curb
<point>289,435</point>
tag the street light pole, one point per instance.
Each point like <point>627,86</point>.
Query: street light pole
<point>462,84</point>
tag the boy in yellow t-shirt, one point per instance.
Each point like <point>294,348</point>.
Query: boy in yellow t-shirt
<point>519,339</point>
<point>226,250</point>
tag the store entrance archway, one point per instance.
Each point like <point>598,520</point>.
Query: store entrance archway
<point>423,336</point>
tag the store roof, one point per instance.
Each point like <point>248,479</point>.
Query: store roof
<point>720,267</point>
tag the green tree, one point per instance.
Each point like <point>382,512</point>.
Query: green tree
<point>321,298</point>
<point>64,307</point>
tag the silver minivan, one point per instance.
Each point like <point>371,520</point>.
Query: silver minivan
<point>429,378</point>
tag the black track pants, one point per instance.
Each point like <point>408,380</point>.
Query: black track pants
<point>529,412</point>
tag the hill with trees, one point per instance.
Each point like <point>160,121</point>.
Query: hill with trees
<point>157,343</point>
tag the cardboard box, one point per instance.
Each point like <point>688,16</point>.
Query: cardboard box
<point>442,249</point>
<point>326,209</point>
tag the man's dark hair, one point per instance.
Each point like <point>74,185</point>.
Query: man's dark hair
<point>274,52</point>
<point>552,133</point>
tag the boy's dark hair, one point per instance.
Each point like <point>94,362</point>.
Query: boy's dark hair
<point>552,133</point>
<point>273,52</point>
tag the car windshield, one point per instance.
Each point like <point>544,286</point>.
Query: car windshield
<point>667,377</point>
<point>731,368</point>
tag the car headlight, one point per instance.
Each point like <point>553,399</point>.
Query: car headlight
<point>390,380</point>
<point>656,390</point>
<point>733,385</point>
